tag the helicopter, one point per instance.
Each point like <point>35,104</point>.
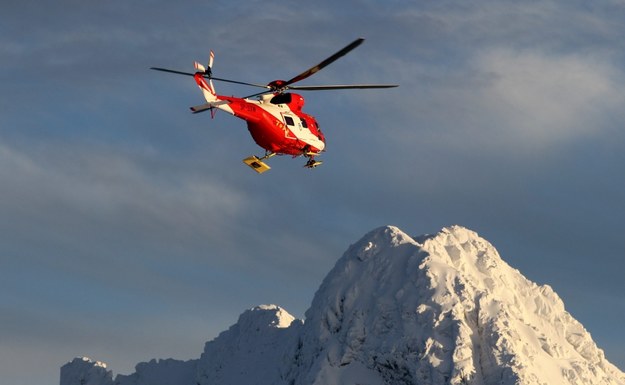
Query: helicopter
<point>274,116</point>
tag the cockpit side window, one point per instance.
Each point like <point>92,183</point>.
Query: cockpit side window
<point>289,120</point>
<point>304,123</point>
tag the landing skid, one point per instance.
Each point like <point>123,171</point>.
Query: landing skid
<point>257,163</point>
<point>313,163</point>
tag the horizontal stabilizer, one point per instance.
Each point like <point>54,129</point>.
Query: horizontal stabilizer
<point>208,106</point>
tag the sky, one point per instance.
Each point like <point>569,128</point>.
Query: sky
<point>131,230</point>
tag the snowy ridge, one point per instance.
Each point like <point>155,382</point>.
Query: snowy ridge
<point>160,372</point>
<point>255,350</point>
<point>83,370</point>
<point>395,309</point>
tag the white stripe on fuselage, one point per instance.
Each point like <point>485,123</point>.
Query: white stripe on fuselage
<point>302,133</point>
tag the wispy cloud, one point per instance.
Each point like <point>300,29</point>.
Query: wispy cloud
<point>97,199</point>
<point>542,100</point>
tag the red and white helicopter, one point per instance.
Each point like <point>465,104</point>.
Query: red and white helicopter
<point>274,117</point>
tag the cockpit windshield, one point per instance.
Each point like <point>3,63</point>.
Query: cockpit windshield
<point>281,99</point>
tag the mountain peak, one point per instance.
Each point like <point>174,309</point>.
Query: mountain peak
<point>378,240</point>
<point>442,308</point>
<point>434,309</point>
<point>266,316</point>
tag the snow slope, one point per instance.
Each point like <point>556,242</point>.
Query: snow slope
<point>440,309</point>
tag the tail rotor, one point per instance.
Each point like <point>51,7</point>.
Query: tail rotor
<point>206,71</point>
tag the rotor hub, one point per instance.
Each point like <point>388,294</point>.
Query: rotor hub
<point>277,85</point>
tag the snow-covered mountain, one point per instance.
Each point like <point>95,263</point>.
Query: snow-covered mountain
<point>440,309</point>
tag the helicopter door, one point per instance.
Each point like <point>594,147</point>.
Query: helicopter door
<point>293,124</point>
<point>299,128</point>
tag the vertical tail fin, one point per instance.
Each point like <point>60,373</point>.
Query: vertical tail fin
<point>207,87</point>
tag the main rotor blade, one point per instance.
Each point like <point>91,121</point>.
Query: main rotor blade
<point>172,71</point>
<point>258,94</point>
<point>328,61</point>
<point>238,82</point>
<point>209,77</point>
<point>341,87</point>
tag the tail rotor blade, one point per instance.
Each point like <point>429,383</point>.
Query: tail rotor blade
<point>199,67</point>
<point>211,58</point>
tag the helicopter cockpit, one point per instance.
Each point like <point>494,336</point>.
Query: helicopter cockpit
<point>294,101</point>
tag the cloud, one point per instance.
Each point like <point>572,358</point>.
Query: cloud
<point>85,199</point>
<point>545,99</point>
<point>517,103</point>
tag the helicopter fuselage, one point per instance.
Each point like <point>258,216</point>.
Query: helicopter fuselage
<point>282,128</point>
<point>275,121</point>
